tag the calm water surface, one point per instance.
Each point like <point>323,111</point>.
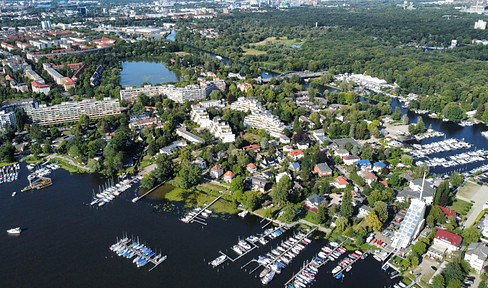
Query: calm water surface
<point>137,72</point>
<point>65,242</point>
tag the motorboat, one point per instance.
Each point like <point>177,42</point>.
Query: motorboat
<point>14,231</point>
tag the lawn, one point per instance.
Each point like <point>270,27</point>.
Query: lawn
<point>253,52</point>
<point>31,159</point>
<point>251,138</point>
<point>6,163</point>
<point>182,53</point>
<point>284,40</point>
<point>193,198</point>
<point>460,206</point>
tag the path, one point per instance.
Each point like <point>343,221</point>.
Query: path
<point>70,161</point>
<point>476,193</point>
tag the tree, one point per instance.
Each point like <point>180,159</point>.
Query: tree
<point>342,223</point>
<point>454,283</point>
<point>189,174</point>
<point>253,200</point>
<point>419,248</point>
<point>84,120</point>
<point>279,193</point>
<point>397,114</point>
<point>237,184</point>
<point>381,210</point>
<point>415,261</point>
<point>405,119</point>
<point>453,112</point>
<point>456,179</point>
<point>406,262</point>
<point>164,169</point>
<point>288,213</point>
<point>93,165</point>
<point>36,149</point>
<point>373,221</point>
<point>471,234</point>
<point>441,196</point>
<point>438,281</point>
<point>321,215</point>
<point>346,207</point>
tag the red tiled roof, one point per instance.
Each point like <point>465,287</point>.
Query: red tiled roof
<point>351,157</point>
<point>229,174</point>
<point>384,183</point>
<point>251,166</point>
<point>251,147</point>
<point>38,85</point>
<point>448,212</point>
<point>452,238</point>
<point>341,180</point>
<point>295,152</point>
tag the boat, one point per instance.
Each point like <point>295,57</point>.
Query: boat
<point>237,249</point>
<point>336,269</point>
<point>14,193</point>
<point>14,231</point>
<point>338,276</point>
<point>243,213</point>
<point>484,134</point>
<point>266,279</point>
<point>264,272</point>
<point>348,268</point>
<point>218,261</point>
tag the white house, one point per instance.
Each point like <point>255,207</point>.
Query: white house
<point>476,256</point>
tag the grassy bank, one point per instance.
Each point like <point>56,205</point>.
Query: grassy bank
<point>70,168</point>
<point>194,198</point>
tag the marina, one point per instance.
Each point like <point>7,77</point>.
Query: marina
<point>281,256</point>
<point>109,193</point>
<point>142,254</point>
<point>9,173</point>
<point>307,273</point>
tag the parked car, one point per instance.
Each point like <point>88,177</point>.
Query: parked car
<point>433,268</point>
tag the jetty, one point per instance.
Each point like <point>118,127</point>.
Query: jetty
<point>38,184</point>
<point>313,263</point>
<point>147,193</point>
<point>141,253</point>
<point>196,215</point>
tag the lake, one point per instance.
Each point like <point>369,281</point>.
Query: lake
<point>66,242</point>
<point>134,73</point>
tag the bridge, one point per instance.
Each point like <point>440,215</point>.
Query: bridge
<point>301,74</point>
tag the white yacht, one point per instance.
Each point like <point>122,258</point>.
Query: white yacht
<point>16,230</point>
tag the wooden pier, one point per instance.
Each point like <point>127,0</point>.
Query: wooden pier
<point>307,265</point>
<point>147,193</point>
<point>195,217</point>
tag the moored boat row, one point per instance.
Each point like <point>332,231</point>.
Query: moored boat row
<point>142,254</point>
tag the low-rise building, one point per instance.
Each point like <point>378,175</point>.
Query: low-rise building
<point>251,168</point>
<point>296,154</point>
<point>446,240</point>
<point>340,182</point>
<point>476,256</point>
<point>170,148</point>
<point>216,171</point>
<point>200,163</point>
<point>363,164</point>
<point>257,184</point>
<point>322,169</point>
<point>182,132</point>
<point>363,211</point>
<point>228,176</point>
<point>40,88</point>
<point>350,159</point>
<point>367,176</point>
<point>314,201</point>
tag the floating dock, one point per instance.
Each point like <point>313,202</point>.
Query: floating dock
<point>195,215</point>
<point>141,254</point>
<point>147,193</point>
<point>38,184</point>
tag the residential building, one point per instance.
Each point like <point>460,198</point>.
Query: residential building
<point>264,119</point>
<point>251,168</point>
<point>363,164</point>
<point>448,212</point>
<point>244,86</point>
<point>200,163</point>
<point>480,24</point>
<point>170,148</point>
<point>314,201</point>
<point>72,110</point>
<point>253,147</point>
<point>296,154</point>
<point>257,184</point>
<point>411,225</point>
<point>363,211</point>
<point>339,182</point>
<point>211,103</point>
<point>177,94</point>
<point>182,132</point>
<point>216,171</point>
<point>7,119</point>
<point>294,166</point>
<point>31,74</point>
<point>228,176</point>
<point>378,166</point>
<point>476,256</point>
<point>40,88</point>
<point>350,159</point>
<point>143,122</point>
<point>447,241</point>
<point>414,190</point>
<point>246,104</point>
<point>221,130</point>
<point>322,169</point>
<point>367,176</point>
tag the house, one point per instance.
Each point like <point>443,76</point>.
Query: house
<point>339,182</point>
<point>476,256</point>
<point>406,176</point>
<point>200,163</point>
<point>228,176</point>
<point>350,159</point>
<point>280,175</point>
<point>251,168</point>
<point>258,184</point>
<point>295,166</point>
<point>378,166</point>
<point>384,183</point>
<point>296,154</point>
<point>268,162</point>
<point>322,169</point>
<point>367,176</point>
<point>169,149</point>
<point>448,212</point>
<point>279,156</point>
<point>302,145</point>
<point>243,87</point>
<point>253,147</point>
<point>216,171</point>
<point>266,174</point>
<point>363,211</point>
<point>446,240</point>
<point>287,148</point>
<point>220,155</point>
<point>429,191</point>
<point>363,164</point>
<point>341,152</point>
<point>314,201</point>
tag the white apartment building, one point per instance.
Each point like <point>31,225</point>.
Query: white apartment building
<point>480,24</point>
<point>31,74</point>
<point>211,103</point>
<point>7,119</point>
<point>221,129</point>
<point>411,225</point>
<point>40,88</point>
<point>177,94</point>
<point>476,256</point>
<point>246,104</point>
<point>71,111</point>
<point>263,119</point>
<point>182,132</point>
<point>200,116</point>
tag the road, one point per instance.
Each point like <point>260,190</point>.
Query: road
<point>478,194</point>
<point>70,162</point>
